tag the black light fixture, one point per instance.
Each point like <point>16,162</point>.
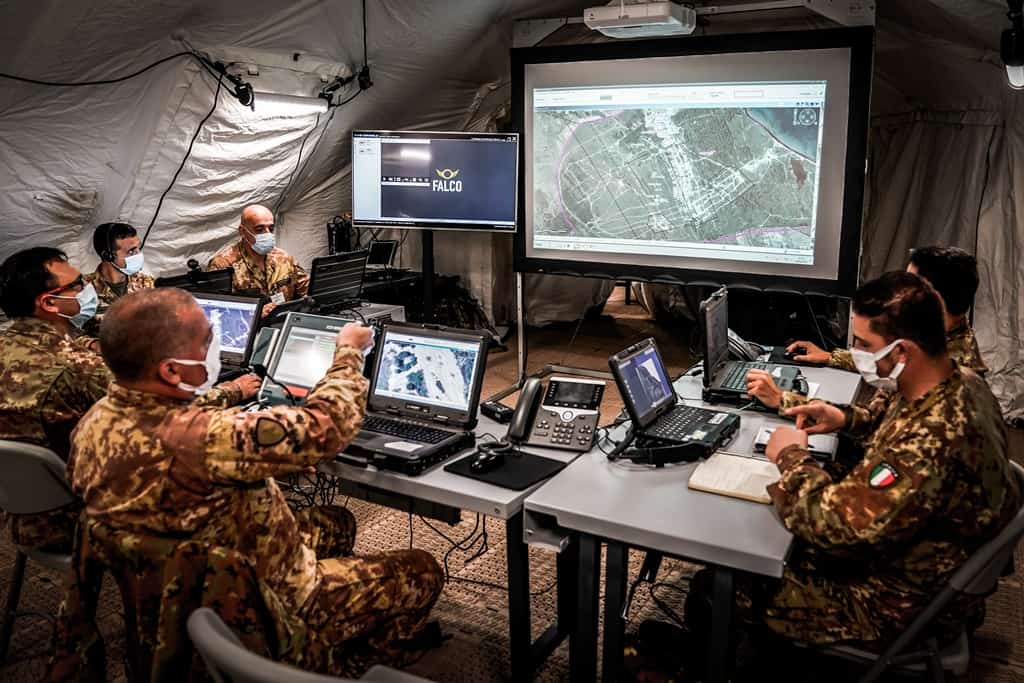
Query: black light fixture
<point>1011,45</point>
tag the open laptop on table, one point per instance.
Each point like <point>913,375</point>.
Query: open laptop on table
<point>237,318</point>
<point>378,262</point>
<point>725,381</point>
<point>423,398</point>
<point>658,417</point>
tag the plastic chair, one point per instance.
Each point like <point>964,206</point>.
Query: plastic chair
<point>228,660</point>
<point>978,577</point>
<point>31,482</point>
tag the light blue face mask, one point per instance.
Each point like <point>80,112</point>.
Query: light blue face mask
<point>88,302</point>
<point>132,264</point>
<point>263,243</point>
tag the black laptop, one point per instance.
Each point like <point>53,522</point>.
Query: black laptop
<point>336,282</point>
<point>423,399</point>
<point>726,380</point>
<point>237,318</point>
<point>657,415</point>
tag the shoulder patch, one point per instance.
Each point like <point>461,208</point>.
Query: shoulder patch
<point>882,476</point>
<point>269,432</point>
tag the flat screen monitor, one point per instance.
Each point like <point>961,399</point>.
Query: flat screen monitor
<point>381,252</point>
<point>643,382</point>
<point>414,179</point>
<point>723,158</point>
<point>235,317</point>
<point>434,370</point>
<point>306,354</point>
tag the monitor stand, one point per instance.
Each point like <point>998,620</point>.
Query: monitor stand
<point>427,266</point>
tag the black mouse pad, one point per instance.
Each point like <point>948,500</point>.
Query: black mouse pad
<point>518,472</point>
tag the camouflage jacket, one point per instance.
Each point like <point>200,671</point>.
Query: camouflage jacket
<point>109,292</point>
<point>155,465</point>
<point>50,380</point>
<point>960,343</point>
<point>282,273</point>
<point>933,485</point>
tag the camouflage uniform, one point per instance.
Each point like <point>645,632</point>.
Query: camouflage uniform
<point>282,273</point>
<point>960,344</point>
<point>873,548</point>
<point>49,382</point>
<point>153,465</point>
<point>109,292</point>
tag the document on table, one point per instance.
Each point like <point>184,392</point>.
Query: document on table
<point>735,476</point>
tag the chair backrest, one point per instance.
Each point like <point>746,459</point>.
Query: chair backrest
<point>228,660</point>
<point>32,479</point>
<point>979,575</point>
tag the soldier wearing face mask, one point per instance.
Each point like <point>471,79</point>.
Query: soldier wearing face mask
<point>121,262</point>
<point>874,545</point>
<point>50,380</point>
<point>148,459</point>
<point>260,267</point>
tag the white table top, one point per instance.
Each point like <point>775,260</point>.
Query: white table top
<point>655,509</point>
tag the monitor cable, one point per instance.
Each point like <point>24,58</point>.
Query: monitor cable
<point>261,371</point>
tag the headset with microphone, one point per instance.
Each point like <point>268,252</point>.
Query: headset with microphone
<point>658,456</point>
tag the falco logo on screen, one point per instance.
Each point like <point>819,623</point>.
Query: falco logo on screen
<point>447,183</point>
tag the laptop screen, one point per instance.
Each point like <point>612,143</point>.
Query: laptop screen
<point>716,331</point>
<point>646,384</point>
<point>305,358</point>
<point>426,370</point>
<point>234,317</point>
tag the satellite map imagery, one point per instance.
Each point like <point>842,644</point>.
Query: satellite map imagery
<point>730,176</point>
<point>444,375</point>
<point>234,326</point>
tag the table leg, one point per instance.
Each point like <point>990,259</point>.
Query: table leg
<point>722,597</point>
<point>518,598</point>
<point>583,645</point>
<point>616,570</point>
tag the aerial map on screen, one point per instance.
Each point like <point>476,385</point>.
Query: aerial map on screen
<point>437,371</point>
<point>734,166</point>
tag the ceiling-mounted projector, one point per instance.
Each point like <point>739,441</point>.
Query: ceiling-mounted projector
<point>641,20</point>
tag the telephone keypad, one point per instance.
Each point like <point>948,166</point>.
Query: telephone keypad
<point>551,430</point>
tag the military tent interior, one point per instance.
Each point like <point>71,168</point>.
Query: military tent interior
<point>172,152</point>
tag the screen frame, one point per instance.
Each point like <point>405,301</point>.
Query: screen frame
<point>860,42</point>
<point>413,409</point>
<point>233,357</point>
<point>302,320</point>
<point>615,365</point>
<point>436,225</point>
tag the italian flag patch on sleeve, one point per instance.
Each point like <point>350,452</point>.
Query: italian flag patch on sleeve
<point>883,476</point>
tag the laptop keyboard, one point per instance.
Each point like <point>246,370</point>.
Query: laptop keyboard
<point>680,422</point>
<point>737,377</point>
<point>404,430</point>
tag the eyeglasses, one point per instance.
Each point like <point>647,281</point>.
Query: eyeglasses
<point>78,283</point>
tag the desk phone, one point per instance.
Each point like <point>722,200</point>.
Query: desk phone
<point>563,416</point>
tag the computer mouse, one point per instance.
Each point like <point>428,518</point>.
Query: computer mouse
<point>795,351</point>
<point>487,461</point>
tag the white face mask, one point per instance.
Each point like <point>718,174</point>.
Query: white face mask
<point>867,365</point>
<point>263,243</point>
<point>132,264</point>
<point>212,364</point>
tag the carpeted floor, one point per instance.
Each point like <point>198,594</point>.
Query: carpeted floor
<point>474,613</point>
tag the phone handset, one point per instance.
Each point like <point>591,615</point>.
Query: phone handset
<point>741,348</point>
<point>526,409</point>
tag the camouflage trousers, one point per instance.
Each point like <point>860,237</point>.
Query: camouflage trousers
<point>331,529</point>
<point>821,600</point>
<point>367,610</point>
